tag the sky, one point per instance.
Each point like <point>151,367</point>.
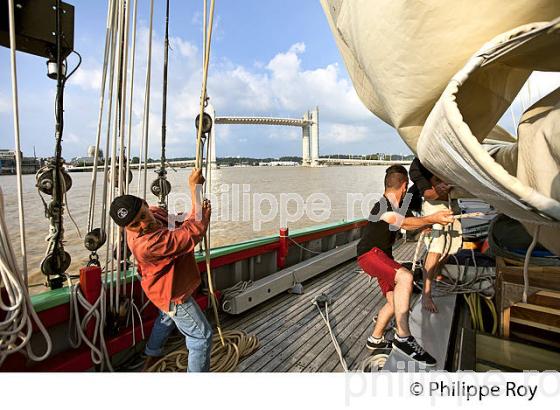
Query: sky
<point>269,58</point>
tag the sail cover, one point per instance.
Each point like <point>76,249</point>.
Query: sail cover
<point>401,54</point>
<point>462,66</point>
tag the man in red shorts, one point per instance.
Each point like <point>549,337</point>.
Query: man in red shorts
<point>375,257</point>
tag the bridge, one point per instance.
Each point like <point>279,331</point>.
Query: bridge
<point>309,125</point>
<point>361,161</point>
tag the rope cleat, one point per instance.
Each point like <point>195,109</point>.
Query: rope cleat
<point>322,300</point>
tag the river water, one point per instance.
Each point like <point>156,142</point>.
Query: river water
<point>248,203</point>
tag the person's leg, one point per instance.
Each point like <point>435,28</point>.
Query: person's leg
<point>192,323</point>
<point>401,300</point>
<point>163,326</point>
<point>403,340</point>
<point>430,270</point>
<point>383,317</point>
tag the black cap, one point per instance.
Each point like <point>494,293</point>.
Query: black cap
<point>125,208</point>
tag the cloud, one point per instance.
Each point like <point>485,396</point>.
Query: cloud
<point>344,133</point>
<point>284,86</point>
<point>88,77</point>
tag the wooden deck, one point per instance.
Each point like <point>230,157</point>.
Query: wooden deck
<point>295,339</point>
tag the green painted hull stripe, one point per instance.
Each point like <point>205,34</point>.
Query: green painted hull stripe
<point>52,298</point>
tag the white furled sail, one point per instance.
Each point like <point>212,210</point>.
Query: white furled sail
<point>443,73</point>
<point>525,187</point>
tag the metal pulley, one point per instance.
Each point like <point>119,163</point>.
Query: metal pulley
<point>206,123</point>
<point>45,178</point>
<point>125,176</point>
<point>161,187</point>
<point>95,239</point>
<point>56,263</point>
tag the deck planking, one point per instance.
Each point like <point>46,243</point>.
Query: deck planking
<point>292,334</point>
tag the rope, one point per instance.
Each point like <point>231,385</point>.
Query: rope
<point>15,108</point>
<point>374,363</point>
<point>326,320</point>
<point>77,328</point>
<point>223,358</point>
<point>301,246</point>
<point>231,292</point>
<point>18,314</point>
<point>526,263</point>
<point>146,112</point>
<point>93,190</point>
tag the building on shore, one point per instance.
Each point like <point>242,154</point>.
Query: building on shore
<point>29,165</point>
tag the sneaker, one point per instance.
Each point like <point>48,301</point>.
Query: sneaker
<point>383,344</point>
<point>412,349</point>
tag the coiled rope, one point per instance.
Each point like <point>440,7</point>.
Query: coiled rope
<point>228,347</point>
<point>17,326</point>
<point>224,357</point>
<point>77,327</point>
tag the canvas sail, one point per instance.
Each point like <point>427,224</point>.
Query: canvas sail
<point>462,64</point>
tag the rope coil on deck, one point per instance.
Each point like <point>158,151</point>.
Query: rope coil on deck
<point>224,357</point>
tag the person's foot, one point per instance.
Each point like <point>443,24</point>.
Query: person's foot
<point>428,303</point>
<point>149,362</point>
<point>375,344</point>
<point>410,347</point>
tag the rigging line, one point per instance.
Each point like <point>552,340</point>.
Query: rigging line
<point>164,99</point>
<point>207,45</point>
<point>146,114</point>
<point>129,142</point>
<point>118,68</point>
<point>132,69</point>
<point>106,192</point>
<point>91,216</point>
<point>123,167</point>
<point>15,108</point>
<point>199,155</point>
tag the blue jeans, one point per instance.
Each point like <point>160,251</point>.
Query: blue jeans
<point>192,323</point>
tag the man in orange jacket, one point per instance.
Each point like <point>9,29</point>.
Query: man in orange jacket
<point>166,262</point>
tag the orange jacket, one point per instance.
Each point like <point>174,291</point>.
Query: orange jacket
<point>165,259</point>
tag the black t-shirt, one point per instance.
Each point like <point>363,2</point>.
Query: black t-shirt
<point>378,233</point>
<point>420,176</point>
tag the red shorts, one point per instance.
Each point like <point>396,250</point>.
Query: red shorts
<point>376,263</point>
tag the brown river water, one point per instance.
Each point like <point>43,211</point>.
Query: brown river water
<point>248,203</point>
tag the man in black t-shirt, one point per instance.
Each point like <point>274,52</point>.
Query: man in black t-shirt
<point>375,257</point>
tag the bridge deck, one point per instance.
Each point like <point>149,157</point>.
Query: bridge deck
<point>294,338</point>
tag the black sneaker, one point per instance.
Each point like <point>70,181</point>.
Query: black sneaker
<point>412,349</point>
<point>383,344</point>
